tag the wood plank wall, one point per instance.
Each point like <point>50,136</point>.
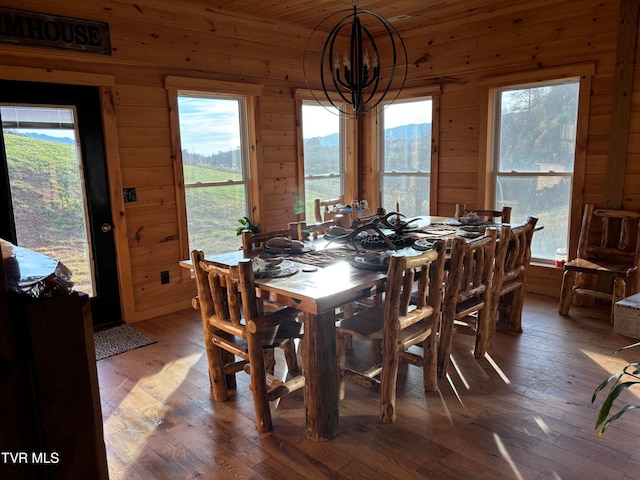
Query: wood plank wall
<point>154,38</point>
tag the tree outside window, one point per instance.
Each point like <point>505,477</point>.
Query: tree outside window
<point>534,153</point>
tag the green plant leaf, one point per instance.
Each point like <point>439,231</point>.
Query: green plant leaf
<point>608,401</point>
<point>615,417</point>
<point>616,375</point>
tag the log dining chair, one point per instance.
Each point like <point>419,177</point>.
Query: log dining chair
<point>311,231</point>
<point>467,295</point>
<point>397,326</point>
<point>255,241</point>
<point>490,215</point>
<point>322,212</point>
<point>235,326</point>
<point>513,255</point>
<point>608,249</point>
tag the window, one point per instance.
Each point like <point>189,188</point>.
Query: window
<point>324,159</point>
<point>534,155</point>
<point>215,167</point>
<point>405,132</point>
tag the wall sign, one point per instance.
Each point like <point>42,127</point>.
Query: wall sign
<point>19,27</point>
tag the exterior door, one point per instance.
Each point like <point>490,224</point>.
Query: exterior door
<point>55,186</point>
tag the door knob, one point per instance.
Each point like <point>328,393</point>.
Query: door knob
<point>106,227</point>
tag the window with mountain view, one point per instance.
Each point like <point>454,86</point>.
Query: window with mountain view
<point>324,168</point>
<point>405,156</point>
<point>534,152</point>
<point>213,132</point>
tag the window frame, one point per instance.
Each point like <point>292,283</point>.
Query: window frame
<point>372,150</point>
<point>348,152</point>
<point>249,93</point>
<point>486,184</point>
<point>380,147</point>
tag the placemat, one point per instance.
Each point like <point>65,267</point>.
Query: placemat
<point>322,258</point>
<point>284,269</point>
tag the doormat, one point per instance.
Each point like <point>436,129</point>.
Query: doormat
<point>120,339</point>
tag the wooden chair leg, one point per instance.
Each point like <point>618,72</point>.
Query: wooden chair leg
<point>217,376</point>
<point>445,347</point>
<point>430,364</point>
<point>482,333</point>
<point>389,379</point>
<point>291,356</point>
<point>269,360</point>
<point>568,280</point>
<point>258,384</point>
<point>341,353</point>
<point>515,317</point>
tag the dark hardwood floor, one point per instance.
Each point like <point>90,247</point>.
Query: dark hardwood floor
<point>524,412</point>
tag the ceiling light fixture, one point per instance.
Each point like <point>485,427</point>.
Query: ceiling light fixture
<point>358,68</point>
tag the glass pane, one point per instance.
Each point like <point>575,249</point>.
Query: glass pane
<point>321,137</point>
<point>212,217</point>
<point>210,138</point>
<point>322,188</point>
<point>546,197</point>
<point>409,192</point>
<point>538,129</point>
<point>47,188</point>
<point>407,137</point>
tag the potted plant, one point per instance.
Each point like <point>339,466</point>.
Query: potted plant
<point>245,224</point>
<point>618,382</point>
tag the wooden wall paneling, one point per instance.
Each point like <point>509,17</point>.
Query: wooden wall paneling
<point>278,153</point>
<point>143,116</point>
<point>155,195</point>
<point>141,95</point>
<point>148,273</point>
<point>164,251</point>
<point>148,177</point>
<point>544,280</point>
<point>136,157</point>
<point>150,215</point>
<point>153,234</point>
<point>625,69</point>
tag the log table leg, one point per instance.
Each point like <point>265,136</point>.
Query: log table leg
<point>321,376</point>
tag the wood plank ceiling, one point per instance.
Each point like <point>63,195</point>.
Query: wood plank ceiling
<point>405,15</point>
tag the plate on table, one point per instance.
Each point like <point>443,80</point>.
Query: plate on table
<point>422,244</point>
<point>307,247</point>
<point>458,222</point>
<point>467,231</point>
<point>283,269</point>
<point>377,263</point>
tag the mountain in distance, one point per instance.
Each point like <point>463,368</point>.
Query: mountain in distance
<point>48,138</point>
<point>405,132</point>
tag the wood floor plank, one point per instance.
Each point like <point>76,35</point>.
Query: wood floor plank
<point>524,412</point>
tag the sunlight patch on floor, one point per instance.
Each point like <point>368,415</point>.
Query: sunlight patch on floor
<point>498,370</point>
<point>459,372</point>
<point>507,457</point>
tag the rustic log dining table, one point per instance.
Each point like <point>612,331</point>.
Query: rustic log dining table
<point>317,291</point>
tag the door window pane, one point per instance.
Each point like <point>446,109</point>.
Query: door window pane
<point>535,157</point>
<point>406,156</point>
<point>47,188</point>
<point>323,159</point>
<point>214,162</point>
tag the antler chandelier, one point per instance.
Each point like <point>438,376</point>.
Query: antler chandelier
<point>354,76</point>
